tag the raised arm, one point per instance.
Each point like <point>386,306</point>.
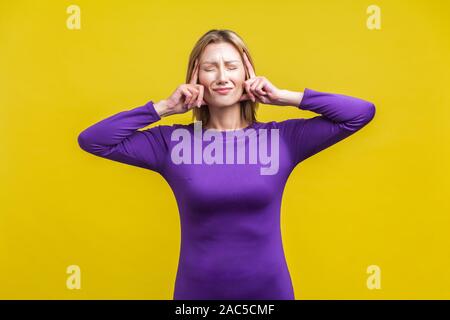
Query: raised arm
<point>118,138</point>
<point>340,116</point>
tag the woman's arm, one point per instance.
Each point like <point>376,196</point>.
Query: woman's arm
<point>340,116</point>
<point>118,138</point>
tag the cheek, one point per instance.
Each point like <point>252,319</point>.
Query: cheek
<point>239,79</point>
<point>204,78</point>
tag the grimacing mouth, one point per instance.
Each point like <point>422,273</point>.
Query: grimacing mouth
<point>223,88</point>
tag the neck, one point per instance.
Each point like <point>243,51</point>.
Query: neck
<point>226,118</point>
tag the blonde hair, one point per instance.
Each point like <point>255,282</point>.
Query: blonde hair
<point>248,107</point>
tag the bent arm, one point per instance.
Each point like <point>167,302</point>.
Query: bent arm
<point>118,138</point>
<point>340,116</point>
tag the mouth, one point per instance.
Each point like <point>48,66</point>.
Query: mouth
<point>223,91</point>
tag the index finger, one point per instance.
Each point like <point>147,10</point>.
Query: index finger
<point>250,69</point>
<point>194,73</point>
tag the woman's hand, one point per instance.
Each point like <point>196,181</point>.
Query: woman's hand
<point>258,87</point>
<point>261,89</point>
<point>184,98</point>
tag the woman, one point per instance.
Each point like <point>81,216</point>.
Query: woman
<point>231,246</point>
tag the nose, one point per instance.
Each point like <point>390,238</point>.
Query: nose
<point>222,76</point>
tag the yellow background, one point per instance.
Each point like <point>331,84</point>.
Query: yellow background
<point>381,197</point>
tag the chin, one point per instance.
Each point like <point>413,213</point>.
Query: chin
<point>223,103</point>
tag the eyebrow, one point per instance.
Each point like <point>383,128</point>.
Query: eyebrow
<point>212,62</point>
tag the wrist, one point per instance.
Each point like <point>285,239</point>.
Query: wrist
<point>290,98</point>
<point>162,108</point>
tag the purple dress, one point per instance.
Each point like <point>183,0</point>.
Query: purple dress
<point>231,245</point>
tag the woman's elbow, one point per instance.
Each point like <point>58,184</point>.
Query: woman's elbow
<point>84,141</point>
<point>89,143</point>
<point>369,111</point>
<point>365,113</point>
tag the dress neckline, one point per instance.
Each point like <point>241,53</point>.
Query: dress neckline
<point>230,130</point>
<point>229,134</point>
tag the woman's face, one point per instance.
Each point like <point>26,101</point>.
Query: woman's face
<point>221,67</point>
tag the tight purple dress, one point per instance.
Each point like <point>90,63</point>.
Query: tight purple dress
<point>229,207</point>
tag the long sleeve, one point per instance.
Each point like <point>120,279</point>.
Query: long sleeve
<point>340,116</point>
<point>118,138</point>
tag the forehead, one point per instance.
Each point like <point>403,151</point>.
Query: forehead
<point>216,52</point>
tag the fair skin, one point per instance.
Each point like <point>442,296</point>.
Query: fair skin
<point>221,66</point>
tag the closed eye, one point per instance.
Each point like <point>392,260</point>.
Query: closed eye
<point>213,69</point>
